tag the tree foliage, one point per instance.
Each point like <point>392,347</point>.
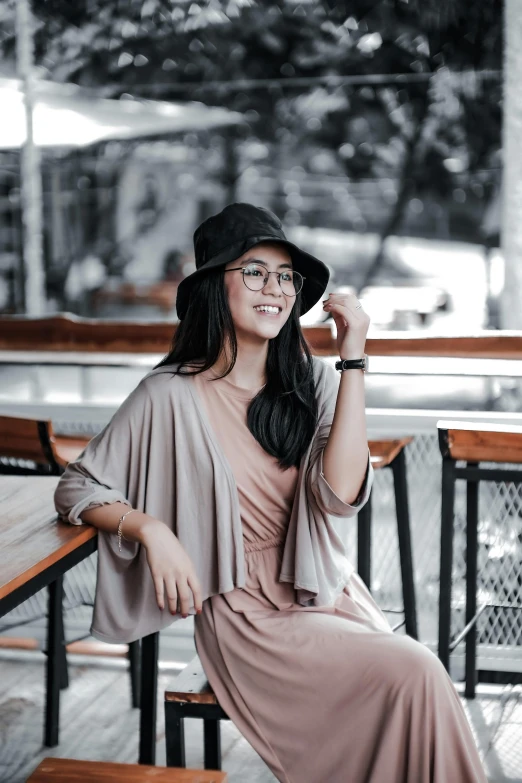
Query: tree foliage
<point>289,67</point>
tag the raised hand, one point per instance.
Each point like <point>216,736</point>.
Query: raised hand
<point>352,324</point>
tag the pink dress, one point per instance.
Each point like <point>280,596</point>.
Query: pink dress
<point>324,694</point>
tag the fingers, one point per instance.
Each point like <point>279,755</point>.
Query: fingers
<point>184,598</point>
<point>172,594</point>
<point>196,592</point>
<point>189,591</point>
<point>348,308</point>
<point>178,581</point>
<point>182,592</point>
<point>349,301</point>
<point>159,590</point>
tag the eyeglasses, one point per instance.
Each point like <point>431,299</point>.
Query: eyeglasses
<point>255,277</point>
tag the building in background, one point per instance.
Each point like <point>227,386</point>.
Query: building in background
<point>113,196</point>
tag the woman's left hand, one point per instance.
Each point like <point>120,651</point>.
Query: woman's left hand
<point>352,324</point>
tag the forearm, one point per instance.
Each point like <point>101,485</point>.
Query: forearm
<point>107,518</point>
<point>345,455</point>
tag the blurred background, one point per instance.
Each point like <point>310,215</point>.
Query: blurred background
<point>372,129</point>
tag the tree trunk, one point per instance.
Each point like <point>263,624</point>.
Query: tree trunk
<point>31,178</point>
<point>405,189</point>
<point>511,218</point>
<point>231,172</point>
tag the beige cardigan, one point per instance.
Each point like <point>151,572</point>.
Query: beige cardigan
<point>159,454</point>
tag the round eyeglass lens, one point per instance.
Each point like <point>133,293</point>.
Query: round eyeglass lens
<point>255,277</point>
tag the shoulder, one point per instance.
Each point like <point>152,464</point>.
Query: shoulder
<point>154,383</point>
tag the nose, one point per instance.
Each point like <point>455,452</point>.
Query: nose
<point>272,286</point>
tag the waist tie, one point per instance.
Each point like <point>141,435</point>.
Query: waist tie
<point>260,546</point>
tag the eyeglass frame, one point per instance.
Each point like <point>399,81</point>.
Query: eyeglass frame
<point>253,263</point>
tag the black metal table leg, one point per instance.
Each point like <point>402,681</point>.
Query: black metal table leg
<point>149,690</point>
<point>53,667</point>
<point>134,656</point>
<point>364,543</point>
<point>398,467</point>
<point>174,735</point>
<point>446,559</point>
<point>62,652</point>
<point>472,518</point>
<point>212,744</point>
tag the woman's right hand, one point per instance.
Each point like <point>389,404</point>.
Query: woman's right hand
<point>172,570</point>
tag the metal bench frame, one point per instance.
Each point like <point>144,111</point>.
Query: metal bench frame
<point>364,533</point>
<point>473,474</point>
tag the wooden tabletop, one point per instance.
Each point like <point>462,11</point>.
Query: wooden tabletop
<point>31,537</point>
<point>55,770</point>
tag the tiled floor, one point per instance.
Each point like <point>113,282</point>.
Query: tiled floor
<point>97,722</point>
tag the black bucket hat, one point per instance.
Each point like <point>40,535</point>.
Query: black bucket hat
<point>239,226</point>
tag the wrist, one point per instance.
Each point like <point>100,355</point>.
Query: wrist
<point>351,353</point>
<point>353,364</point>
<point>147,528</point>
<point>138,527</point>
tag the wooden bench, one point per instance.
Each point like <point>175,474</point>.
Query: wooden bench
<point>472,444</point>
<point>33,440</point>
<point>389,453</point>
<point>193,698</point>
<point>68,770</point>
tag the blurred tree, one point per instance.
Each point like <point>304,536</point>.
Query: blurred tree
<point>369,89</point>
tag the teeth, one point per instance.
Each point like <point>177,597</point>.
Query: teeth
<point>267,309</point>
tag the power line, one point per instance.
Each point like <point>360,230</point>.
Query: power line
<point>333,80</point>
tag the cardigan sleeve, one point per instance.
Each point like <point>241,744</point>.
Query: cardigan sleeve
<point>102,472</point>
<point>325,497</point>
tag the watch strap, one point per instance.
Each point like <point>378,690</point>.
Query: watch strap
<point>352,364</point>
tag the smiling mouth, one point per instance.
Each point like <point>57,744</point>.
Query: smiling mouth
<point>273,311</point>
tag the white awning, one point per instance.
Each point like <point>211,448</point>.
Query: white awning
<point>68,115</point>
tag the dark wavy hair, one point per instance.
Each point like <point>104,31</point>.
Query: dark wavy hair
<point>282,417</point>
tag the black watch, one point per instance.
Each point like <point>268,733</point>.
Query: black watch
<point>353,364</point>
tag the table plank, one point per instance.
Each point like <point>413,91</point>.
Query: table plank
<point>31,537</point>
<point>68,770</point>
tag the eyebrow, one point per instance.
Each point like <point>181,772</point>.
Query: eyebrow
<point>259,261</point>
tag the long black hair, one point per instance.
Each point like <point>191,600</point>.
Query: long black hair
<point>282,417</point>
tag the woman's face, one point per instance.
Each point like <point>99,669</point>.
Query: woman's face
<point>249,321</point>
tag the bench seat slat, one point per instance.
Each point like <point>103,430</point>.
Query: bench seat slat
<point>476,442</point>
<point>383,452</point>
<point>191,685</point>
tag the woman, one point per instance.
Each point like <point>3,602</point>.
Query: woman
<point>221,488</point>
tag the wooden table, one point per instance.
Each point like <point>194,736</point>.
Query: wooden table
<point>36,550</point>
<point>67,770</point>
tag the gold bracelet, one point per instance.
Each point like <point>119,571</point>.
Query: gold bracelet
<point>119,526</point>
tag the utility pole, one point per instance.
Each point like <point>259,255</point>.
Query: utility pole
<point>511,211</point>
<point>30,171</point>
